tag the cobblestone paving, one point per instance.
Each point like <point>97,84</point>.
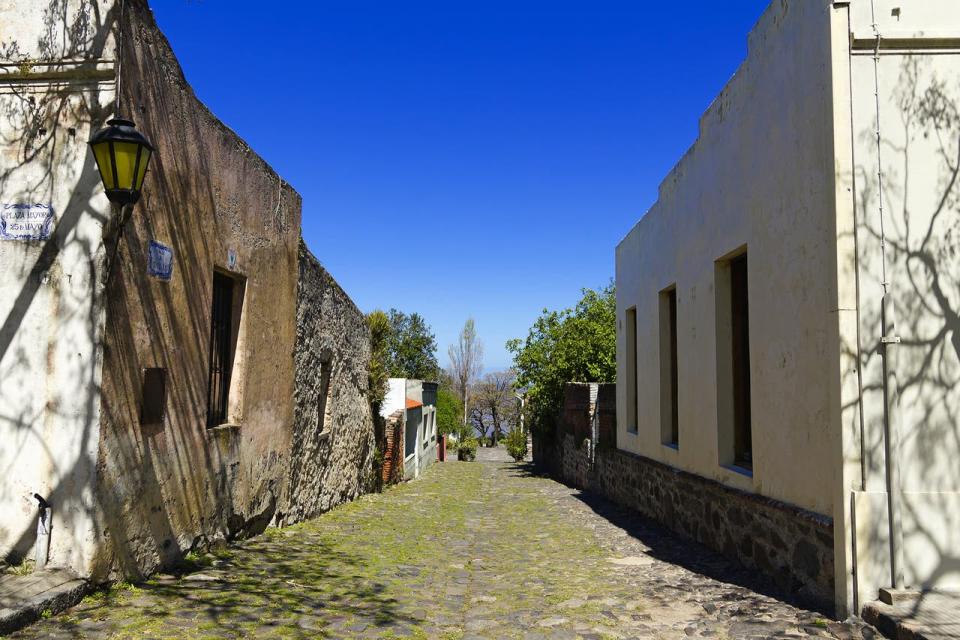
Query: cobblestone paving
<point>472,550</point>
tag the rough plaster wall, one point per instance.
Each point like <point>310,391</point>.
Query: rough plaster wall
<point>166,488</point>
<point>919,123</point>
<point>334,465</point>
<point>56,86</point>
<point>759,175</point>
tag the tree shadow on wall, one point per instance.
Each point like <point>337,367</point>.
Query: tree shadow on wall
<point>153,490</point>
<point>921,231</point>
<point>42,129</point>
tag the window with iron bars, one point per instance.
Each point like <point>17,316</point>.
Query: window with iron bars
<point>221,351</point>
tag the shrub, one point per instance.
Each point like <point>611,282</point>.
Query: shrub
<point>467,449</point>
<point>516,442</point>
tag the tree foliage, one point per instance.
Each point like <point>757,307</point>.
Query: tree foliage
<point>413,347</point>
<point>516,442</point>
<point>449,411</point>
<point>572,345</point>
<point>379,325</point>
<point>493,406</point>
<point>403,346</point>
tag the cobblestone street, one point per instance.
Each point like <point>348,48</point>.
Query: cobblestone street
<point>472,550</point>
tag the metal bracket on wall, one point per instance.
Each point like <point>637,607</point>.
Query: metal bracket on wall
<point>890,340</point>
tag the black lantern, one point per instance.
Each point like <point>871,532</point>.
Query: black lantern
<point>122,155</point>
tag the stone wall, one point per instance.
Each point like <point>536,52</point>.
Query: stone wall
<point>172,485</point>
<point>333,438</point>
<point>792,546</point>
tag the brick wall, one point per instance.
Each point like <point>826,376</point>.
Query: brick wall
<point>791,545</point>
<point>393,449</point>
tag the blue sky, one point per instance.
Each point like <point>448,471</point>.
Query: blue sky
<point>464,158</point>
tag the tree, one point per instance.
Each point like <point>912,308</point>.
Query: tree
<point>380,330</point>
<point>466,361</point>
<point>412,348</point>
<point>494,404</point>
<point>449,411</point>
<point>578,344</point>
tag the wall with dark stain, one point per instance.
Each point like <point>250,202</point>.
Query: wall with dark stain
<point>167,487</point>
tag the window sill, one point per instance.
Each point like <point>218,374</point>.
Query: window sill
<point>226,426</point>
<point>671,445</point>
<point>633,432</point>
<point>738,469</point>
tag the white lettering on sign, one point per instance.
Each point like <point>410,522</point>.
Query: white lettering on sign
<point>26,221</point>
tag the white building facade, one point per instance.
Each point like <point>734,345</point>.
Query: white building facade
<point>789,309</point>
<point>416,400</point>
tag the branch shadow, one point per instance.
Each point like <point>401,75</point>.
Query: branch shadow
<point>263,588</point>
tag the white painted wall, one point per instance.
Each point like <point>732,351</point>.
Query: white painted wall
<point>396,397</point>
<point>758,176</point>
<point>51,311</point>
<point>918,77</point>
<point>418,420</point>
<point>787,164</point>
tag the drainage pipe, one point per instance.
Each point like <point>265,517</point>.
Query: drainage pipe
<point>891,439</point>
<point>42,549</point>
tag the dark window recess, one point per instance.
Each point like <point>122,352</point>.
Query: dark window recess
<point>154,396</point>
<point>322,401</point>
<point>221,329</point>
<point>672,426</point>
<point>631,382</point>
<point>740,326</point>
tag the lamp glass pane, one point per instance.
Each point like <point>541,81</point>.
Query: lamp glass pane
<point>101,152</point>
<point>126,158</point>
<point>142,170</point>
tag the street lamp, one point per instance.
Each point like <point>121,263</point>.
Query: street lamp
<point>122,155</point>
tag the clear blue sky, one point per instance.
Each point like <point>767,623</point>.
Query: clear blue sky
<point>464,158</point>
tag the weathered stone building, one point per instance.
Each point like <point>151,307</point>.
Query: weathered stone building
<point>333,443</point>
<point>787,310</point>
<point>156,410</point>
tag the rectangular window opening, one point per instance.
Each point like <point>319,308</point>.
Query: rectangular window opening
<point>226,307</point>
<point>630,332</point>
<point>733,362</point>
<point>154,397</point>
<point>669,392</point>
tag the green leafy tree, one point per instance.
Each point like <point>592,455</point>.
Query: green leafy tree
<point>380,330</point>
<point>516,442</point>
<point>449,411</point>
<point>578,344</point>
<point>412,347</point>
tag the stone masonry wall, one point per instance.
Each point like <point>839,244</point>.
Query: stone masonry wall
<point>793,546</point>
<point>331,460</point>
